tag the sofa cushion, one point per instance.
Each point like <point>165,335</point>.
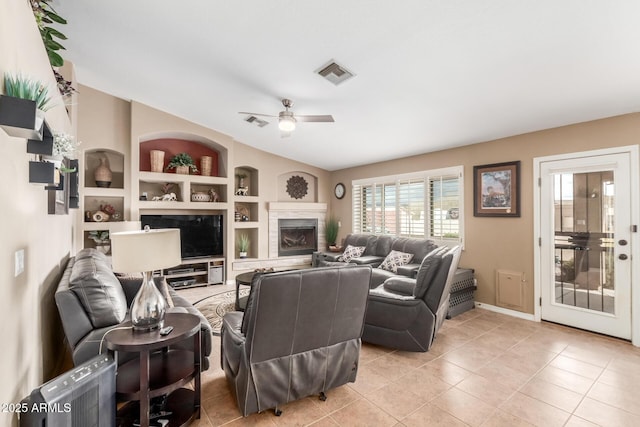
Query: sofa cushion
<point>379,276</point>
<point>91,253</point>
<point>434,294</point>
<point>383,245</point>
<point>351,252</point>
<point>428,270</point>
<point>366,240</point>
<point>99,291</point>
<point>418,247</point>
<point>400,285</point>
<point>409,270</point>
<point>395,259</point>
<point>371,260</point>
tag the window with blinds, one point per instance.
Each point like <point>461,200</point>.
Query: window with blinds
<point>426,204</point>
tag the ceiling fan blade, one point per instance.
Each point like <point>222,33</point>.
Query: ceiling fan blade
<point>256,114</point>
<point>325,118</point>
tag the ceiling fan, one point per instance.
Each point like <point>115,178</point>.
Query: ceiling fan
<point>287,119</point>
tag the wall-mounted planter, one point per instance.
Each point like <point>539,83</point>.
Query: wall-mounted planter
<point>45,146</point>
<point>41,173</point>
<point>20,118</point>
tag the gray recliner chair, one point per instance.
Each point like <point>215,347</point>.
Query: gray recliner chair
<point>299,336</point>
<point>405,313</point>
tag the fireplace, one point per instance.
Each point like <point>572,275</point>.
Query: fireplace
<point>297,236</point>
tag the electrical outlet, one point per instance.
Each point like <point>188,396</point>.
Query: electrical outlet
<point>18,262</point>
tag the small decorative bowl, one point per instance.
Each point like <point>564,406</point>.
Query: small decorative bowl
<point>200,197</point>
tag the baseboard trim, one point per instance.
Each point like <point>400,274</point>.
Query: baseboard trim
<point>508,312</point>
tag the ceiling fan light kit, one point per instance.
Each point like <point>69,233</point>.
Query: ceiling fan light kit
<point>287,119</point>
<point>286,122</point>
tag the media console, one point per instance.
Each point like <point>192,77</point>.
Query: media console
<point>195,272</point>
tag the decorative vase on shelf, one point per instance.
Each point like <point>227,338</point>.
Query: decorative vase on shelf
<point>157,160</point>
<point>205,165</point>
<point>182,170</point>
<point>103,173</point>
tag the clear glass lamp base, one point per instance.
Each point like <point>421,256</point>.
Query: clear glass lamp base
<point>148,306</point>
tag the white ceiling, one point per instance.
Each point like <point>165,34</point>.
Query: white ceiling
<point>429,74</point>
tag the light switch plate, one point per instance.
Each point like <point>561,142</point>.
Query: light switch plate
<point>19,262</point>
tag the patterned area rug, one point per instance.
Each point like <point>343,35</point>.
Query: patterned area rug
<point>215,307</point>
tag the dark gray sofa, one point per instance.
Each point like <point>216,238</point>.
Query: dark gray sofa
<point>91,300</point>
<point>377,247</point>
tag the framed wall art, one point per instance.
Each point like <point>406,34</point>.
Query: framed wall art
<point>496,190</point>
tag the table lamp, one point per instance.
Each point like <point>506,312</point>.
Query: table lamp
<point>145,251</point>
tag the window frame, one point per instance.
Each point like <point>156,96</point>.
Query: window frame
<point>377,185</point>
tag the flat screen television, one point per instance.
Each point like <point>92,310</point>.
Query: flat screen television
<point>200,235</point>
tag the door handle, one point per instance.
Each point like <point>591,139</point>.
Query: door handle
<point>623,256</point>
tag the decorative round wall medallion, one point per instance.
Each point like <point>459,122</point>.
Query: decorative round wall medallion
<point>340,190</point>
<point>297,187</point>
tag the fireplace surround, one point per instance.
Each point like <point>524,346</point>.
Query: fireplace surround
<point>295,210</point>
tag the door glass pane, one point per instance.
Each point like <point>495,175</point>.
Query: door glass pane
<point>583,225</point>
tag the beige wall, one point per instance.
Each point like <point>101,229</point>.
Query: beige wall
<point>498,243</point>
<point>31,335</point>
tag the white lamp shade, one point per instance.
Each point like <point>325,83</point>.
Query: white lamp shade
<point>145,250</point>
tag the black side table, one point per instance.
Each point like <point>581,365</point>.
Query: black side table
<point>159,371</point>
<point>244,279</point>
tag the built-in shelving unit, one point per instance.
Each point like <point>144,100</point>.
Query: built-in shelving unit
<point>112,199</point>
<point>195,272</point>
<point>246,202</point>
<point>152,185</point>
<point>165,192</point>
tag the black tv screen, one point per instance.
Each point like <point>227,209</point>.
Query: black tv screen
<point>200,235</point>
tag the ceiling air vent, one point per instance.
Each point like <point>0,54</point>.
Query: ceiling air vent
<point>256,121</point>
<point>334,72</point>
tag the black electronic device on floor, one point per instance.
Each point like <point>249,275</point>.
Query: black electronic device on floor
<point>83,396</point>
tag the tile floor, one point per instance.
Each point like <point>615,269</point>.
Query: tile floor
<point>484,369</point>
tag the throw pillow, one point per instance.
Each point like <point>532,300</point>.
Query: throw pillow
<point>351,252</point>
<point>395,259</point>
<point>99,292</point>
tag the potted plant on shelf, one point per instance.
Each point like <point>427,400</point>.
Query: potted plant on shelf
<point>243,244</point>
<point>101,239</point>
<point>182,163</point>
<point>331,228</point>
<point>23,105</point>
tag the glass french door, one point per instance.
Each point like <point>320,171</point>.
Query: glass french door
<point>585,244</point>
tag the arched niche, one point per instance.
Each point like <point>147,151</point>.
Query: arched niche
<point>113,159</point>
<point>173,143</point>
<point>297,186</point>
<point>249,177</point>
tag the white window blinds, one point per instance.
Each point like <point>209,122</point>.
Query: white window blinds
<point>425,204</point>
